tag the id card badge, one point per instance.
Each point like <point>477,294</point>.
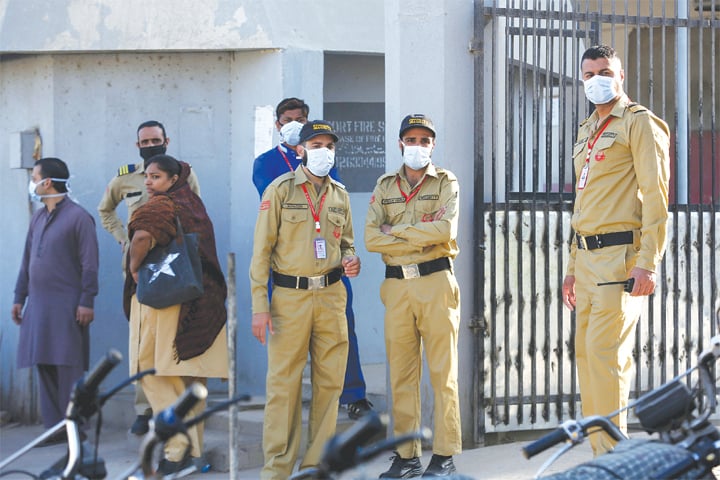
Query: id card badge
<point>583,177</point>
<point>320,250</point>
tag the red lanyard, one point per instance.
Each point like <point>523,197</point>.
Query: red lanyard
<point>315,214</point>
<point>285,158</point>
<point>590,144</point>
<point>413,193</point>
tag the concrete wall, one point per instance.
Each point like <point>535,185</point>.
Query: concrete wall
<point>87,106</point>
<point>87,74</point>
<point>132,25</point>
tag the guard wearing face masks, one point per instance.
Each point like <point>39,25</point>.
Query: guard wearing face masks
<point>291,114</point>
<point>129,185</point>
<point>304,242</point>
<point>622,164</point>
<point>413,221</point>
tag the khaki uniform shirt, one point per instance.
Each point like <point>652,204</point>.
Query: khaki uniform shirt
<point>627,181</point>
<point>128,185</point>
<point>415,237</point>
<point>285,232</point>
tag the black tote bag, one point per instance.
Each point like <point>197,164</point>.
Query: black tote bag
<point>172,274</point>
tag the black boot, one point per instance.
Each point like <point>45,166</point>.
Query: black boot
<point>403,468</point>
<point>440,466</point>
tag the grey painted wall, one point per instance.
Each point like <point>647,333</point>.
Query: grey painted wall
<point>87,107</point>
<point>87,74</point>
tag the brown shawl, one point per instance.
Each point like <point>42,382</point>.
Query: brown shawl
<point>203,318</point>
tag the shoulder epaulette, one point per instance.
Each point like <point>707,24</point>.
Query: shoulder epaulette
<point>283,178</point>
<point>584,121</point>
<point>447,173</point>
<point>125,169</point>
<point>636,108</point>
<point>387,175</point>
<point>339,184</point>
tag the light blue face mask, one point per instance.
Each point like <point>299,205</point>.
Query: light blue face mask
<point>32,186</point>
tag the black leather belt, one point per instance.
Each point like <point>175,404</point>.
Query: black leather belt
<point>306,283</point>
<point>415,270</point>
<point>593,242</point>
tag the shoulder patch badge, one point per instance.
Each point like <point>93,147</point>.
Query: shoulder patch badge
<point>125,169</point>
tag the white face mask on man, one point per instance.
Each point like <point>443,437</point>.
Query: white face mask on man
<point>290,133</point>
<point>35,197</point>
<point>600,89</point>
<point>416,157</point>
<point>320,161</point>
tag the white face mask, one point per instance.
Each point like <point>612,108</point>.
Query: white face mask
<point>320,161</point>
<point>600,89</point>
<point>290,133</point>
<point>416,157</point>
<point>32,187</point>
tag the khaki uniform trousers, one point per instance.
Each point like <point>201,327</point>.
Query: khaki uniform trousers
<point>424,312</point>
<point>305,321</point>
<point>142,404</point>
<point>151,346</point>
<point>605,334</point>
<point>163,392</point>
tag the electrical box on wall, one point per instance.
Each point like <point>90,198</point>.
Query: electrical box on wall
<point>25,148</point>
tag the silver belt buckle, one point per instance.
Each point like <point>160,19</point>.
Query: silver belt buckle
<point>316,283</point>
<point>582,242</point>
<point>410,271</point>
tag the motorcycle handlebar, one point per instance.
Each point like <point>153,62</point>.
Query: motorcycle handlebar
<point>574,431</point>
<point>84,400</point>
<point>543,443</point>
<point>101,370</point>
<point>170,421</point>
<point>340,451</point>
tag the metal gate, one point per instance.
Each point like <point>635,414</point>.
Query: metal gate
<point>529,101</point>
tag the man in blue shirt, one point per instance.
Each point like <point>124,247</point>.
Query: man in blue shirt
<point>291,114</point>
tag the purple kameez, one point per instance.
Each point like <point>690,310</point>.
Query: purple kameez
<point>59,271</point>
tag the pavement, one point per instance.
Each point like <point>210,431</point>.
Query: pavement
<point>120,449</point>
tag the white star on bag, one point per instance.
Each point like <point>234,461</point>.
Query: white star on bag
<point>163,267</point>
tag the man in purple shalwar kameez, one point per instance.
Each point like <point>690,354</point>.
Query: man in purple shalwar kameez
<point>59,280</point>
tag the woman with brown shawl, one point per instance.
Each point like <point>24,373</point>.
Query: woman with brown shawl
<point>185,343</point>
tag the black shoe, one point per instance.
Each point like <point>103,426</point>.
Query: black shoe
<point>141,425</point>
<point>403,468</point>
<point>358,409</point>
<point>440,466</point>
<point>170,469</point>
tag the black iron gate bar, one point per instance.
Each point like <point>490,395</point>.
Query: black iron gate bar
<point>688,250</point>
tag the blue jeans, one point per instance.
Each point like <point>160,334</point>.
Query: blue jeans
<point>354,388</point>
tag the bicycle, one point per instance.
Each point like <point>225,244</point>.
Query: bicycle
<point>85,401</point>
<point>688,446</point>
<point>81,462</point>
<point>348,449</point>
<point>167,424</point>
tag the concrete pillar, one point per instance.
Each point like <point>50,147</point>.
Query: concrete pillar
<point>429,69</point>
<point>259,80</point>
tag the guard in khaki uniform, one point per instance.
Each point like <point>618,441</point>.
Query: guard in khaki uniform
<point>412,222</point>
<point>129,185</point>
<point>303,235</point>
<point>622,163</point>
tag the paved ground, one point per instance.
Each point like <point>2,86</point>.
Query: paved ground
<point>501,462</point>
